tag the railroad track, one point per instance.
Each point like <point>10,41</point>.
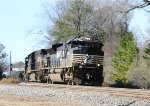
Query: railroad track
<point>136,93</point>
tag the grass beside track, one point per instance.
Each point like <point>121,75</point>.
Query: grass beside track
<point>9,80</point>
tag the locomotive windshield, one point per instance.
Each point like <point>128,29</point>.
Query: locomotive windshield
<point>85,44</point>
<point>86,47</point>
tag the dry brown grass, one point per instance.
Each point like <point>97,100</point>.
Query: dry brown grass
<point>139,76</point>
<point>7,99</point>
<point>9,80</point>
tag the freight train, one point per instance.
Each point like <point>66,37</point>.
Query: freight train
<point>77,61</point>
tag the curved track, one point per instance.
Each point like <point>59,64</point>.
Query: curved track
<point>136,93</point>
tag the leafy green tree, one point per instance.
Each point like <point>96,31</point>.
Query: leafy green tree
<point>62,31</point>
<point>124,57</point>
<point>2,59</point>
<point>147,54</point>
<point>72,22</point>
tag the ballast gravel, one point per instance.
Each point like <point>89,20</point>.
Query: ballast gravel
<point>73,97</point>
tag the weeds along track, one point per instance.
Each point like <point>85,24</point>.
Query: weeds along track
<point>136,93</point>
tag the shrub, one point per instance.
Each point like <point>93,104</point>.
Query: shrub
<point>9,80</point>
<point>140,76</point>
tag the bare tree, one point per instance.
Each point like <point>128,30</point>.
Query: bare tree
<point>111,19</point>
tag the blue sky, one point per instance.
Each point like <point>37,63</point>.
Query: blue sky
<point>139,24</point>
<point>18,17</point>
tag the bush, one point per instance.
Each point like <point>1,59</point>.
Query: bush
<point>140,76</point>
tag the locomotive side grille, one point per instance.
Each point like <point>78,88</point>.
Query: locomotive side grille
<point>97,60</point>
<point>78,58</point>
<point>89,59</point>
<point>101,59</point>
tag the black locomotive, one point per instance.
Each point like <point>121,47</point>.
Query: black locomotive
<point>77,61</point>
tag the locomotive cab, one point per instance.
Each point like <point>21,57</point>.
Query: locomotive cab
<point>86,52</point>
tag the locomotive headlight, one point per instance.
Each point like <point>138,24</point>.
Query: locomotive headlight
<point>98,65</point>
<point>82,63</point>
<point>80,66</point>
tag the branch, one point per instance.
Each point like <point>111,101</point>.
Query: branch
<point>40,32</point>
<point>147,10</point>
<point>147,3</point>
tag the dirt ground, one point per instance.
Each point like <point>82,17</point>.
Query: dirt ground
<point>7,99</point>
<point>13,100</point>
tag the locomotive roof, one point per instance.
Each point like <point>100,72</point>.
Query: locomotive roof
<point>76,38</point>
<point>41,50</point>
<point>84,39</point>
<point>51,51</point>
<point>54,46</point>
